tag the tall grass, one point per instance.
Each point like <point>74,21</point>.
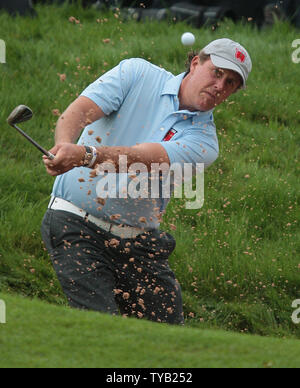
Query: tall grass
<point>237,258</point>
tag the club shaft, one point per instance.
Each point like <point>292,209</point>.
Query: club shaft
<point>45,152</point>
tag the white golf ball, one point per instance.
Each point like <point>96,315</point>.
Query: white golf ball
<point>188,39</point>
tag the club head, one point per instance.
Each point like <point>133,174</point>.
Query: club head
<point>20,114</point>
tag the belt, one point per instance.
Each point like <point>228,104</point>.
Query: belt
<point>117,230</point>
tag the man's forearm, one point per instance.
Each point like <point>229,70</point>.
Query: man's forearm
<point>79,114</point>
<point>145,154</point>
<point>69,156</point>
<point>69,127</point>
<point>112,155</point>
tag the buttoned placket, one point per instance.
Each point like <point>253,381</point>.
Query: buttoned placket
<point>174,118</point>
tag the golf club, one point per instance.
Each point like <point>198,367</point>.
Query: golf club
<point>19,115</point>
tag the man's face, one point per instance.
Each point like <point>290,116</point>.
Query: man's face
<point>207,86</point>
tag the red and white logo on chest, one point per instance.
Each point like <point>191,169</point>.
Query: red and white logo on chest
<point>170,134</point>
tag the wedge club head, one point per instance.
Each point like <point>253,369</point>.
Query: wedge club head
<point>19,115</point>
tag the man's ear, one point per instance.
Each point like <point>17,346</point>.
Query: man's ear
<point>239,88</point>
<point>195,62</point>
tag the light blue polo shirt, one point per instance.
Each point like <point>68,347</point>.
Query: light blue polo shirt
<point>140,101</point>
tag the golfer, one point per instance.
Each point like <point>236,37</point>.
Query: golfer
<point>109,253</point>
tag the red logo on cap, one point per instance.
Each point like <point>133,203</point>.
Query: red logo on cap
<point>240,56</point>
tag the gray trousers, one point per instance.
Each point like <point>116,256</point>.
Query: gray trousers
<point>101,272</point>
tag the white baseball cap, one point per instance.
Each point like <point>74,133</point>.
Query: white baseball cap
<point>227,54</point>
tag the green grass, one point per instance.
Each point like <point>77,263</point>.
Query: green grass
<point>237,258</point>
<point>38,335</point>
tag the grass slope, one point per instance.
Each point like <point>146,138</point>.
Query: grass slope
<point>237,258</point>
<point>39,335</point>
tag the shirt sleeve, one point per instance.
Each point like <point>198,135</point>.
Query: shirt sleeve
<point>110,90</point>
<point>194,147</point>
